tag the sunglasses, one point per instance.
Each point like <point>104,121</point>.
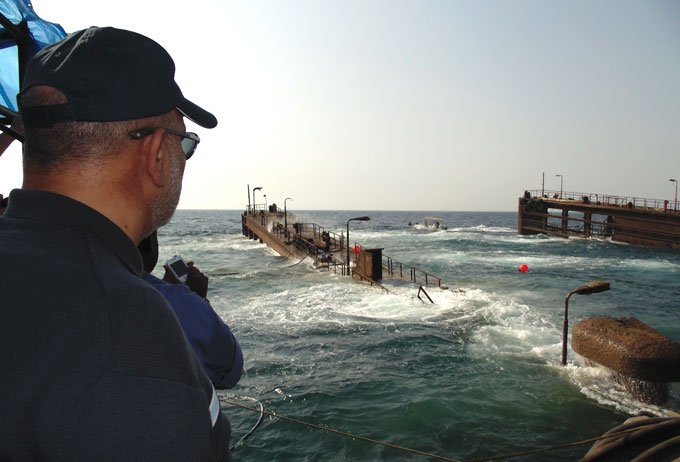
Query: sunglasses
<point>189,140</point>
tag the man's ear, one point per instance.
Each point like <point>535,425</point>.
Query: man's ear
<point>156,161</point>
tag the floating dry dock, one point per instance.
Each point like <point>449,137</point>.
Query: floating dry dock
<point>647,222</point>
<point>292,237</point>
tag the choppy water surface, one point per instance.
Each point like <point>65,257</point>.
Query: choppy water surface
<point>476,374</point>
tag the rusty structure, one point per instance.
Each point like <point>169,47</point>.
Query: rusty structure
<point>642,359</point>
<point>292,237</point>
<point>638,221</point>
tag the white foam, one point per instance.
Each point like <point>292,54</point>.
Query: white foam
<point>596,383</point>
<point>657,265</point>
<point>484,229</point>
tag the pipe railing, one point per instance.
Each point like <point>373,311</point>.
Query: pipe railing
<point>606,199</point>
<point>394,268</point>
<point>314,231</point>
<point>398,269</point>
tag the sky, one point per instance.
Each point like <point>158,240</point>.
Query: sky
<point>430,105</point>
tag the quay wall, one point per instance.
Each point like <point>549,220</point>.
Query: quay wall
<point>618,220</point>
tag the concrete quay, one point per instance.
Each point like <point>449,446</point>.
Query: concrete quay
<point>644,222</point>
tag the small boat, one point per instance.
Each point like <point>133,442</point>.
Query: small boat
<point>430,223</point>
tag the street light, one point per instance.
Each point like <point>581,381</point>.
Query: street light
<point>586,289</point>
<point>255,203</point>
<point>265,202</point>
<point>352,219</point>
<point>673,180</point>
<point>285,217</point>
<point>561,182</point>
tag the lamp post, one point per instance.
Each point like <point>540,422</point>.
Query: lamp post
<point>265,202</point>
<point>673,180</point>
<point>258,188</point>
<point>352,219</point>
<point>586,289</point>
<point>285,217</point>
<point>561,183</point>
<point>543,185</point>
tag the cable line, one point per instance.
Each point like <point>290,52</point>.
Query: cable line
<point>252,430</point>
<point>264,412</point>
<point>340,432</point>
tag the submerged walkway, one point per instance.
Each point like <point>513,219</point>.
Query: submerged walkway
<point>291,237</point>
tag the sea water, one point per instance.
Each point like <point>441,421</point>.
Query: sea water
<point>475,374</point>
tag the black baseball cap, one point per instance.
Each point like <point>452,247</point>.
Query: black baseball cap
<point>107,75</point>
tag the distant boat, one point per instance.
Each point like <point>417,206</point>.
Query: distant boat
<point>430,223</point>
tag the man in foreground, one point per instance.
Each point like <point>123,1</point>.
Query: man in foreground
<point>94,365</point>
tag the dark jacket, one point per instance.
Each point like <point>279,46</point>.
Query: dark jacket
<point>93,364</point>
<point>216,347</point>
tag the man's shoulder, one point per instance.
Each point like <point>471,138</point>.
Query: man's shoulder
<point>146,338</point>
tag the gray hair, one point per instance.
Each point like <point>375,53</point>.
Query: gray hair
<point>85,143</point>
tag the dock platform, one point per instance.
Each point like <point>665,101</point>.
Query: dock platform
<point>292,237</point>
<point>644,222</point>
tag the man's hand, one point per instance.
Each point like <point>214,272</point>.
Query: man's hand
<point>197,281</point>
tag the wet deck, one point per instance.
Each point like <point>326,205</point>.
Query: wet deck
<point>292,238</point>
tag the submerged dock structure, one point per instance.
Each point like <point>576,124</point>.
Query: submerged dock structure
<point>292,237</point>
<point>646,222</point>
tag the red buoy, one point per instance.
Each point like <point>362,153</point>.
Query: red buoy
<point>523,267</point>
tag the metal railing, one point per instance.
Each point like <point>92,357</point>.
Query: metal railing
<point>396,268</point>
<point>606,199</point>
<point>305,237</point>
<point>421,289</point>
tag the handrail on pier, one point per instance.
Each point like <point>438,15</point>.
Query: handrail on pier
<point>605,199</point>
<point>422,289</point>
<point>313,240</point>
<point>396,269</point>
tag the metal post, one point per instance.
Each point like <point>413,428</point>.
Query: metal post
<point>254,203</point>
<point>285,216</point>
<point>673,180</point>
<point>543,185</point>
<point>348,246</point>
<point>586,289</point>
<point>565,328</point>
<point>561,183</point>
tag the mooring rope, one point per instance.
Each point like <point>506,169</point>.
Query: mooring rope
<point>264,412</point>
<point>340,432</point>
<point>556,448</point>
<point>252,430</point>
